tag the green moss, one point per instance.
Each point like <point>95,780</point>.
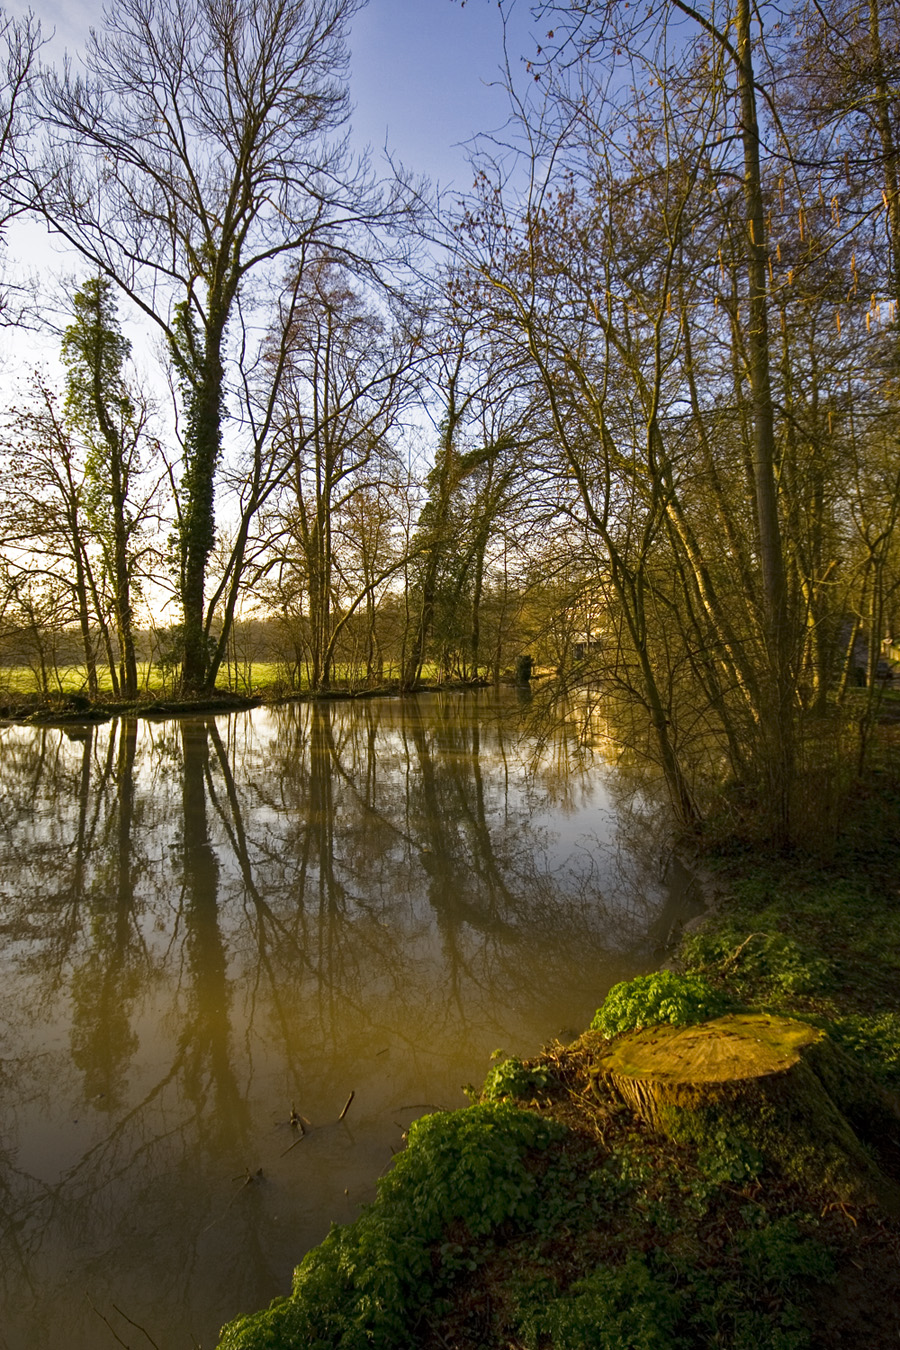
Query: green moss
<point>663,996</point>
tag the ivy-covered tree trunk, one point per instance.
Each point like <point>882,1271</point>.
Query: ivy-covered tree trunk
<point>199,362</point>
<point>121,569</point>
<point>101,409</point>
<point>432,534</point>
<point>84,624</point>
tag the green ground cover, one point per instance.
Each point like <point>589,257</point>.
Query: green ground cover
<point>548,1216</point>
<point>71,679</point>
<point>152,679</point>
<point>262,677</point>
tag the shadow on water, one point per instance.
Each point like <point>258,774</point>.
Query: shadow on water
<point>211,927</point>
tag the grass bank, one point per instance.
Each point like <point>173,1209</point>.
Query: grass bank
<point>68,702</point>
<point>261,679</point>
<point>548,1215</point>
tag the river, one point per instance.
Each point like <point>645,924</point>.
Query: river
<point>210,924</point>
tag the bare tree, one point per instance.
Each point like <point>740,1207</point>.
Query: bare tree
<point>196,154</point>
<point>20,41</point>
<point>648,37</point>
<point>350,372</point>
<point>46,536</point>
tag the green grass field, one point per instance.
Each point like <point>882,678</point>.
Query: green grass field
<point>244,678</point>
<point>22,680</point>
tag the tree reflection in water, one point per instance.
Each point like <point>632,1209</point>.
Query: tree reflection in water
<point>207,923</point>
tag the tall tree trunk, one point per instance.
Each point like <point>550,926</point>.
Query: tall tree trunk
<point>84,623</point>
<point>777,731</point>
<point>890,156</point>
<point>778,734</point>
<point>122,583</point>
<point>629,590</point>
<point>415,657</point>
<point>203,446</point>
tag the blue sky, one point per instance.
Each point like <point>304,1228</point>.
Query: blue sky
<point>423,70</point>
<point>425,80</point>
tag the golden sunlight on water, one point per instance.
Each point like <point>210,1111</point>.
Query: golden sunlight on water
<point>209,924</point>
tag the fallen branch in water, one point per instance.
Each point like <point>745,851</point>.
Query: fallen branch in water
<point>106,1321</point>
<point>137,1326</point>
<point>131,1322</point>
<point>249,1179</point>
<point>298,1122</point>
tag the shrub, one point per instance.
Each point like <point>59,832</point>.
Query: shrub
<point>767,964</point>
<point>662,997</point>
<point>646,1305</point>
<point>364,1287</point>
<point>622,1308</point>
<point>512,1079</point>
<point>780,1257</point>
<point>875,1041</point>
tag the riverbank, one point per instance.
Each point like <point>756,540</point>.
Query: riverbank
<point>65,708</point>
<point>232,922</point>
<point>549,1214</point>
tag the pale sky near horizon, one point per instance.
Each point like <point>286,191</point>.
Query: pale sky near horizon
<point>424,81</point>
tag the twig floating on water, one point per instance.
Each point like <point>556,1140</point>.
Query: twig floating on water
<point>248,1177</point>
<point>347,1104</point>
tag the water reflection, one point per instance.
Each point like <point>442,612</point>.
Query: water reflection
<point>209,923</point>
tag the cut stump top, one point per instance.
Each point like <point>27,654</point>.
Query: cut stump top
<point>733,1048</point>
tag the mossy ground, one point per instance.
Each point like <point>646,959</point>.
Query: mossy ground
<point>621,1238</point>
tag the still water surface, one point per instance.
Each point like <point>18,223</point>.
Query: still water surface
<point>206,923</point>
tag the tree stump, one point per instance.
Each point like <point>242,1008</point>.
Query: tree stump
<point>779,1086</point>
